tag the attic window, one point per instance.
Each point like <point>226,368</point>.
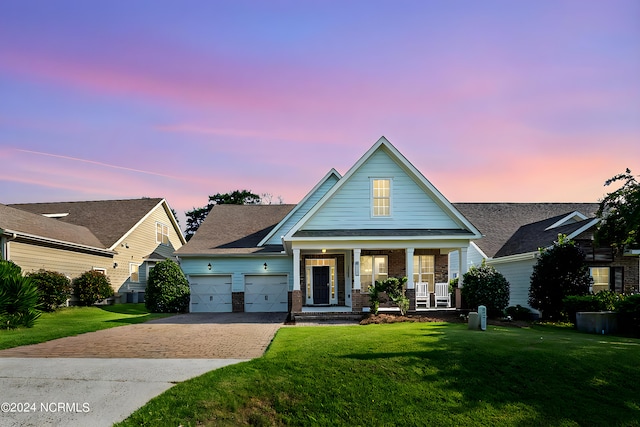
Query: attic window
<point>56,215</point>
<point>162,233</point>
<point>381,197</point>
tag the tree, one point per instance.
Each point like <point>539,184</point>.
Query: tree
<point>484,285</point>
<point>620,214</point>
<point>196,216</point>
<point>167,289</point>
<point>559,272</point>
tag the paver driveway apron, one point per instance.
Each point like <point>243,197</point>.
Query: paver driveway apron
<point>101,377</point>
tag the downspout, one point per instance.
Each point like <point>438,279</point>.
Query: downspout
<point>4,244</point>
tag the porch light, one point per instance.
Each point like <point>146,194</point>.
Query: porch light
<point>324,251</point>
<point>209,266</point>
<point>265,265</point>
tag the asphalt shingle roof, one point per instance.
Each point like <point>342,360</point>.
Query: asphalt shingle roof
<point>531,237</point>
<point>236,229</point>
<point>499,221</point>
<point>108,220</point>
<point>18,220</point>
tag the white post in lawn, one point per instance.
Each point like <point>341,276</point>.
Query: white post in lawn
<point>296,269</point>
<point>409,266</point>
<point>356,269</point>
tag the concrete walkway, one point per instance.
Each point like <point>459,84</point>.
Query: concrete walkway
<point>100,378</point>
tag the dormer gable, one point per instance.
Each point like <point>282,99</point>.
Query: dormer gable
<point>409,200</point>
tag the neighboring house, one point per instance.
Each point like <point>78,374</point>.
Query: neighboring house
<point>382,219</point>
<point>514,232</point>
<point>122,238</point>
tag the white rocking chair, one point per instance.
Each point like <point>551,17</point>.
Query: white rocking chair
<point>422,295</point>
<point>442,294</point>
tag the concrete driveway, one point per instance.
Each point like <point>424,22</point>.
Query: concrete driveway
<point>100,378</point>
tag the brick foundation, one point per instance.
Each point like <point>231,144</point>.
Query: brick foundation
<point>295,301</point>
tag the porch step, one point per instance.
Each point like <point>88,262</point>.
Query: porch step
<point>308,316</point>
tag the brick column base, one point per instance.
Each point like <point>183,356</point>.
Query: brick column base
<point>295,301</point>
<point>411,294</point>
<point>237,302</point>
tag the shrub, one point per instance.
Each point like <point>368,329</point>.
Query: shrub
<point>629,314</point>
<point>167,289</point>
<point>559,272</point>
<point>18,298</point>
<point>92,286</point>
<point>518,312</point>
<point>484,285</point>
<point>55,288</point>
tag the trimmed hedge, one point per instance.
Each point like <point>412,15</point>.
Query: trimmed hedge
<point>484,285</point>
<point>167,289</point>
<point>629,314</point>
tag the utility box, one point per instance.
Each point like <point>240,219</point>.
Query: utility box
<point>482,314</point>
<point>474,321</point>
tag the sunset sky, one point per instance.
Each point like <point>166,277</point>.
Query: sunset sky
<point>493,101</point>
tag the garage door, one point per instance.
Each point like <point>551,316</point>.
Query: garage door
<point>266,294</point>
<point>210,294</point>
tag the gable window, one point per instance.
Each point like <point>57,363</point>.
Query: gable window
<point>600,277</point>
<point>381,197</point>
<point>424,270</point>
<point>162,233</point>
<point>134,275</point>
<point>373,268</point>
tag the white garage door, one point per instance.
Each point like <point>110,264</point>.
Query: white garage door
<point>266,294</point>
<point>210,294</point>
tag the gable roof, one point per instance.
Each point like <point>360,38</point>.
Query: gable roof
<point>498,222</point>
<point>236,229</point>
<point>431,191</point>
<point>108,220</point>
<point>303,207</point>
<point>542,234</point>
<point>34,226</point>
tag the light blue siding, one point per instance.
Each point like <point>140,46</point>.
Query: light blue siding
<point>302,210</point>
<point>350,206</point>
<point>238,267</point>
<point>474,257</point>
<point>518,274</point>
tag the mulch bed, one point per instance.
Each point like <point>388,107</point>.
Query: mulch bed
<point>449,317</point>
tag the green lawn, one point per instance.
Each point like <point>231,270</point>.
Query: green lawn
<point>76,320</point>
<point>416,374</point>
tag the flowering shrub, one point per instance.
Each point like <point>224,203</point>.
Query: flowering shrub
<point>92,286</point>
<point>55,288</point>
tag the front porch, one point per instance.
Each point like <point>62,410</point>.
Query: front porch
<point>334,282</point>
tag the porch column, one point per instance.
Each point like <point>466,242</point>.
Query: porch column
<point>462,269</point>
<point>409,266</point>
<point>296,295</point>
<point>356,269</point>
<point>357,299</point>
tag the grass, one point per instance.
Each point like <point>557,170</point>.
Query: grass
<point>415,374</point>
<point>76,320</point>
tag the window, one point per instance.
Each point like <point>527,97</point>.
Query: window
<point>381,197</point>
<point>162,233</point>
<point>133,273</point>
<point>424,270</point>
<point>373,268</point>
<point>600,277</point>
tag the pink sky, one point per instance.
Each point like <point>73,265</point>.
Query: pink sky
<point>493,101</point>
